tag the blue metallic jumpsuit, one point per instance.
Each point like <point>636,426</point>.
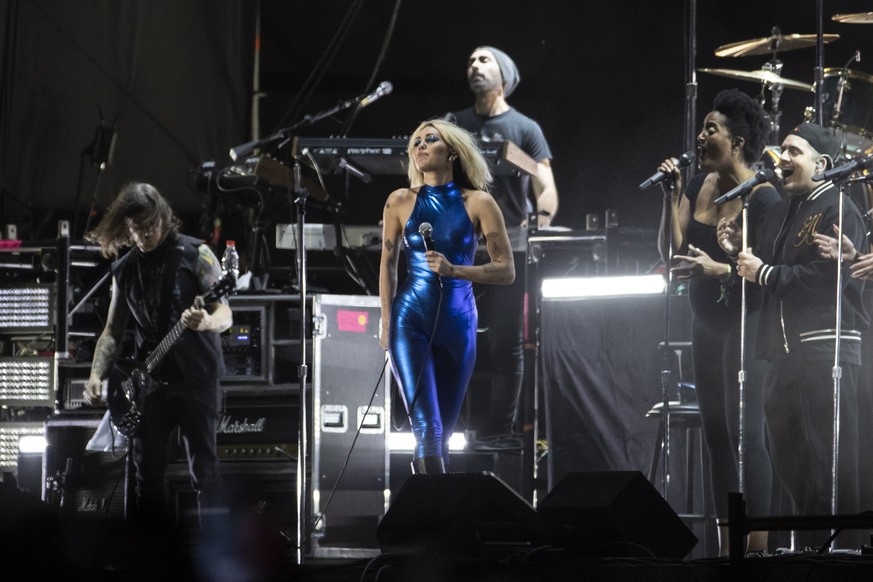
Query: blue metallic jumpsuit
<point>433,328</point>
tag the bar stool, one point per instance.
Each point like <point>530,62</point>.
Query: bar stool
<point>685,416</point>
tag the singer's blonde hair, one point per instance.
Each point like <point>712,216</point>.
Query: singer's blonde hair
<point>469,170</point>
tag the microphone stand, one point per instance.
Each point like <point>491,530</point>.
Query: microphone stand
<point>282,135</point>
<point>837,369</point>
<point>741,373</point>
<point>302,371</point>
<point>666,373</point>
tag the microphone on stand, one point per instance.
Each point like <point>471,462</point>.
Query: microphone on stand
<point>844,171</point>
<point>760,177</point>
<point>659,176</point>
<point>866,179</point>
<point>384,88</point>
<point>426,231</point>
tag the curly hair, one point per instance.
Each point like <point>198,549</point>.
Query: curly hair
<point>746,119</point>
<point>470,170</point>
<point>136,199</point>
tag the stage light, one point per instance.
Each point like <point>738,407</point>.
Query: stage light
<point>589,287</point>
<point>31,443</point>
<point>27,307</point>
<point>27,381</point>
<point>405,441</point>
<point>10,437</point>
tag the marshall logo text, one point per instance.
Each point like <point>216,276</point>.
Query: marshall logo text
<point>227,425</point>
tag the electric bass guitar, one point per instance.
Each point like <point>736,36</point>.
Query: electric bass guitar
<point>128,392</point>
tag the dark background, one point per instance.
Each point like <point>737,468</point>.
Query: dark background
<point>604,78</point>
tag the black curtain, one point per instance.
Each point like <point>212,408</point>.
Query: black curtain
<point>171,78</point>
<point>601,365</point>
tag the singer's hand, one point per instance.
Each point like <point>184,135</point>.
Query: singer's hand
<point>729,236</point>
<point>748,265</point>
<point>669,166</point>
<point>697,263</point>
<point>827,246</point>
<point>438,263</point>
<point>862,268</point>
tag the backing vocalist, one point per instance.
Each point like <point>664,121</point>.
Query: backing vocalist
<point>428,327</point>
<point>732,138</point>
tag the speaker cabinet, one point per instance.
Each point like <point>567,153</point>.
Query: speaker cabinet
<point>456,513</point>
<point>83,483</point>
<point>613,513</point>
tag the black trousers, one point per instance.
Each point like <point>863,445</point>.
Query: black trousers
<point>194,410</point>
<point>716,362</point>
<point>501,311</point>
<point>798,407</point>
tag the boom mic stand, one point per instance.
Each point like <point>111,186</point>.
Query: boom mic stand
<point>283,135</point>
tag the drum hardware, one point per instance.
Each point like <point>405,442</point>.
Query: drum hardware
<point>848,108</point>
<point>775,43</point>
<point>842,87</point>
<point>858,18</point>
<point>770,78</point>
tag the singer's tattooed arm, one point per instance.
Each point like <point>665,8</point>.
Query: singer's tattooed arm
<point>501,270</point>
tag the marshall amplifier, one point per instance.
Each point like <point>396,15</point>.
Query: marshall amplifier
<point>257,449</point>
<point>258,428</point>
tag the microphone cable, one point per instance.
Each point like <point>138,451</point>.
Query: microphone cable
<point>345,466</point>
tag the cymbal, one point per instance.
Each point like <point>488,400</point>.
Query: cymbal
<point>771,44</point>
<point>760,76</point>
<point>858,18</point>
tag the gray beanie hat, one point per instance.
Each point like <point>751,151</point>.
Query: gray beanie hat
<point>511,76</point>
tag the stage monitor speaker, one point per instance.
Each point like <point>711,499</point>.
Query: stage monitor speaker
<point>456,513</point>
<point>613,513</point>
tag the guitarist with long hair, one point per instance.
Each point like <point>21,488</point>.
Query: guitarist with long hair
<point>157,283</point>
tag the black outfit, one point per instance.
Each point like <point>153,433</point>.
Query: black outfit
<point>715,345</point>
<point>158,286</point>
<point>501,307</point>
<point>796,333</point>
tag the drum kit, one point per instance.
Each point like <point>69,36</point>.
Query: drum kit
<point>847,95</point>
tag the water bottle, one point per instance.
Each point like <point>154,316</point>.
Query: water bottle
<point>230,260</point>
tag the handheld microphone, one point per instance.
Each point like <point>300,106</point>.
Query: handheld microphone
<point>842,172</point>
<point>384,88</point>
<point>426,231</point>
<point>659,176</point>
<point>760,177</point>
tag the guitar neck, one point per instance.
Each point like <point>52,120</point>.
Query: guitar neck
<point>155,357</point>
<point>219,290</point>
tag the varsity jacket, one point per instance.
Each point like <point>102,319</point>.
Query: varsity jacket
<point>798,313</point>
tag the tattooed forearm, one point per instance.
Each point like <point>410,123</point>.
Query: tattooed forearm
<point>104,355</point>
<point>389,245</point>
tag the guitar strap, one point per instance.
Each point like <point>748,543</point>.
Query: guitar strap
<point>174,256</point>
